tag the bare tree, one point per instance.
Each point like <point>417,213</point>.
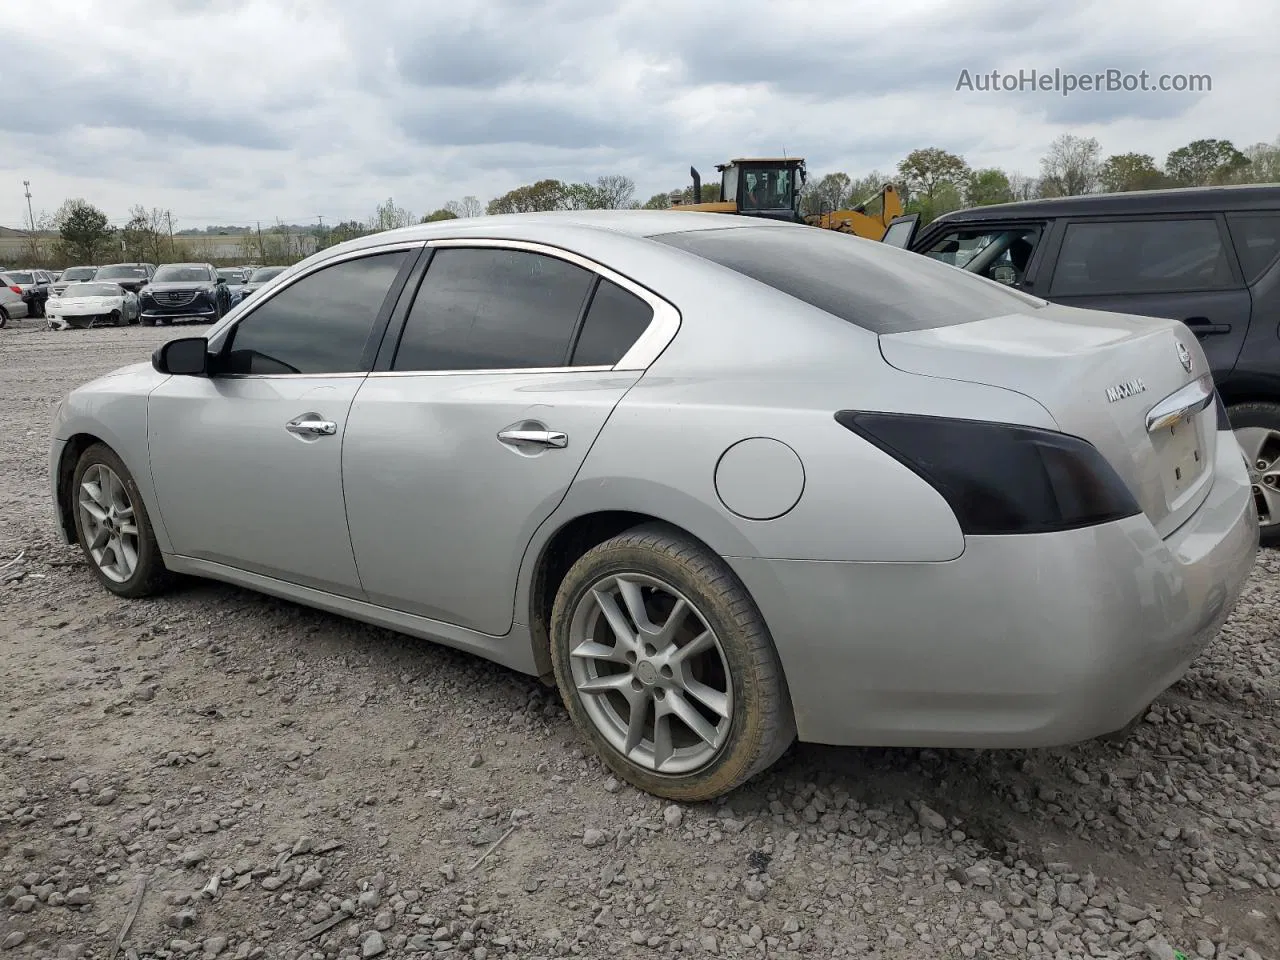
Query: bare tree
<point>615,191</point>
<point>1072,166</point>
<point>466,207</point>
<point>1023,187</point>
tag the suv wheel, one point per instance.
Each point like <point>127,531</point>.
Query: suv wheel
<point>1257,429</point>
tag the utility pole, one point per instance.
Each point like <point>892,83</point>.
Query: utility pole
<point>31,217</point>
<point>169,217</point>
<point>320,236</point>
<point>262,252</point>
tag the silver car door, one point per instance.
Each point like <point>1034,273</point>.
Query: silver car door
<point>247,462</point>
<point>512,358</point>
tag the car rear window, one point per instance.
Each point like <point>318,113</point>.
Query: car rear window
<point>880,288</point>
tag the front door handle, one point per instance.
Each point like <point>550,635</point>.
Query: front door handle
<point>306,427</point>
<point>1202,327</point>
<point>545,438</point>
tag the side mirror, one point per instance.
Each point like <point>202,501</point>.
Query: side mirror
<point>222,280</point>
<point>186,357</point>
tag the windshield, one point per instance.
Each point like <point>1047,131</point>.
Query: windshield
<point>21,277</point>
<point>234,275</point>
<point>121,272</point>
<point>78,273</point>
<point>93,290</point>
<point>768,188</point>
<point>263,274</point>
<point>178,273</point>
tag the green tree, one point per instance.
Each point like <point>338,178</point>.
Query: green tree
<point>388,216</point>
<point>988,185</point>
<point>1205,162</point>
<point>582,196</point>
<point>342,232</point>
<point>441,214</point>
<point>659,201</point>
<point>828,193</point>
<point>83,230</point>
<point>1130,171</point>
<point>1071,167</point>
<point>932,173</point>
<point>542,195</point>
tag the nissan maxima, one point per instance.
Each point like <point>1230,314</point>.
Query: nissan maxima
<point>726,485</point>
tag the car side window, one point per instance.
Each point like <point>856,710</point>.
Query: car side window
<point>1257,241</point>
<point>615,320</point>
<point>485,308</point>
<point>997,253</point>
<point>319,324</point>
<point>1141,256</point>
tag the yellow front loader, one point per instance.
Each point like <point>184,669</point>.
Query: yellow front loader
<point>771,187</point>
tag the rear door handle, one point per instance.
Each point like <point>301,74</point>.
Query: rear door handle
<point>1202,327</point>
<point>545,438</point>
<point>312,428</point>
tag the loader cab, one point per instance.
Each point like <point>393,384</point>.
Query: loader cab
<point>763,187</point>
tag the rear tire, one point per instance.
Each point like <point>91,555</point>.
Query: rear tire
<point>1257,429</point>
<point>4,318</point>
<point>122,551</point>
<point>117,318</point>
<point>733,669</point>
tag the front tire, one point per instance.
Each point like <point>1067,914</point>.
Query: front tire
<point>4,318</point>
<point>112,526</point>
<point>665,663</point>
<point>1257,430</point>
<point>117,318</point>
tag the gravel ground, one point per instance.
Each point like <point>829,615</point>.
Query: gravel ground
<point>282,783</point>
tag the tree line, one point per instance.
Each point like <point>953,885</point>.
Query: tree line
<point>931,180</point>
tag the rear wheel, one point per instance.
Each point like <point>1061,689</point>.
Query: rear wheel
<point>4,318</point>
<point>665,663</point>
<point>117,318</point>
<point>1257,429</point>
<point>112,526</point>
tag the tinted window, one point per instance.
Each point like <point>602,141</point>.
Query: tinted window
<point>22,277</point>
<point>488,309</point>
<point>1257,240</point>
<point>879,288</point>
<point>320,324</point>
<point>78,273</point>
<point>263,274</point>
<point>1143,256</point>
<point>123,273</point>
<point>614,322</point>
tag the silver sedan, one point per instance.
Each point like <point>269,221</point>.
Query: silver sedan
<point>725,483</point>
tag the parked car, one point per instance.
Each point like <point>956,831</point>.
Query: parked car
<point>185,291</point>
<point>235,279</point>
<point>69,276</point>
<point>35,289</point>
<point>1209,257</point>
<point>93,303</point>
<point>724,484</point>
<point>131,276</point>
<point>13,305</point>
<point>259,277</point>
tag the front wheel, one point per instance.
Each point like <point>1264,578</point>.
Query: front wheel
<point>1257,430</point>
<point>665,663</point>
<point>112,526</point>
<point>117,318</point>
<point>4,318</point>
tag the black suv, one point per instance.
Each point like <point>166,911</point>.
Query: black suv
<point>185,291</point>
<point>1208,256</point>
<point>131,276</point>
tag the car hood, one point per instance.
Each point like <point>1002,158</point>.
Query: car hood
<point>88,301</point>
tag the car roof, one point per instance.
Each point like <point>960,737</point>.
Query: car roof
<point>1176,200</point>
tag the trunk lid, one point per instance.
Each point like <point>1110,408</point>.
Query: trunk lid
<point>1102,377</point>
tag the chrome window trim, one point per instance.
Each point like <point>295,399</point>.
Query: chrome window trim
<point>263,296</point>
<point>649,345</point>
<point>492,371</point>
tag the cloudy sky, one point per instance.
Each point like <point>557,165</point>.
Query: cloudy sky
<point>229,111</point>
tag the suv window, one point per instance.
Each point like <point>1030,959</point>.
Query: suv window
<point>320,324</point>
<point>1257,240</point>
<point>481,308</point>
<point>1141,256</point>
<point>881,289</point>
<point>615,320</point>
<point>997,253</point>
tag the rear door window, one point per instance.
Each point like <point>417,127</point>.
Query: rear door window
<point>1257,241</point>
<point>1142,256</point>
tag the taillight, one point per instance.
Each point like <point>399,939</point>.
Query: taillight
<point>999,478</point>
<point>16,289</point>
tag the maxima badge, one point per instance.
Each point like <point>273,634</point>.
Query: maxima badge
<point>1130,388</point>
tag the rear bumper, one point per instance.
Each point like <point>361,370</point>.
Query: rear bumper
<point>1021,641</point>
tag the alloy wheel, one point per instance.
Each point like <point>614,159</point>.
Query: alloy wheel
<point>1261,448</point>
<point>650,673</point>
<point>107,520</point>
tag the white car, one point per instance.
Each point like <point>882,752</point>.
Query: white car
<point>91,303</point>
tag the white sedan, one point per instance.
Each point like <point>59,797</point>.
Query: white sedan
<point>92,303</point>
